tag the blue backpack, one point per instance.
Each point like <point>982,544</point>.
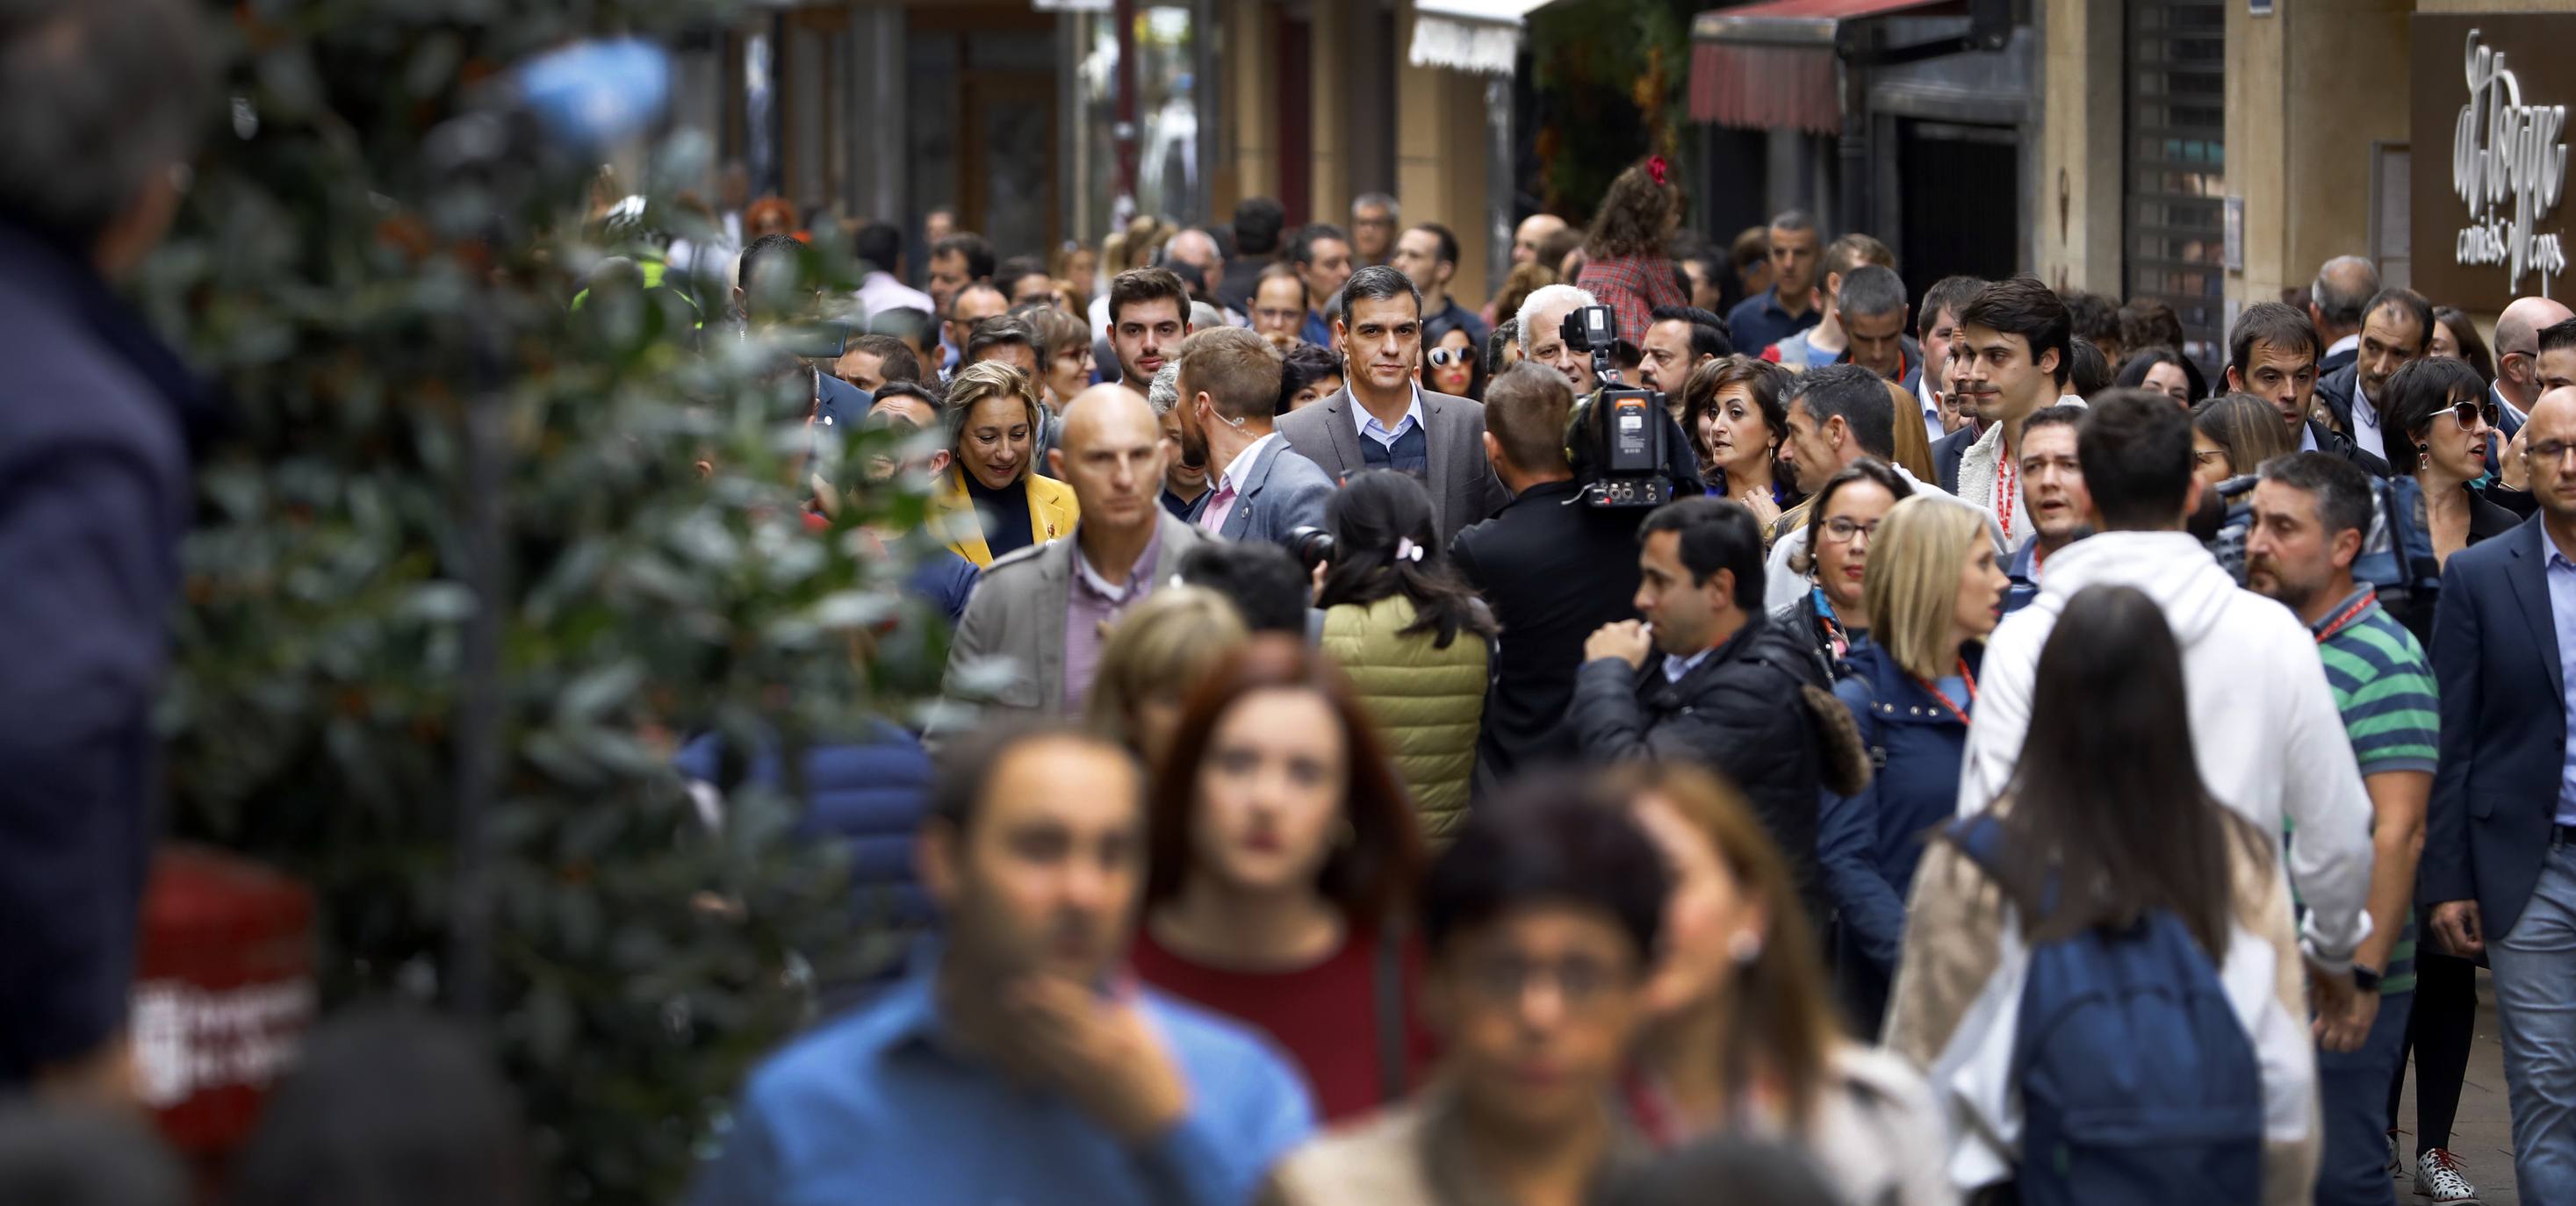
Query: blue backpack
<point>2138,1085</point>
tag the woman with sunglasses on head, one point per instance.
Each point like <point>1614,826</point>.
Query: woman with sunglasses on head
<point>1741,1036</point>
<point>1935,589</point>
<point>1452,362</point>
<point>1834,615</point>
<point>1281,855</point>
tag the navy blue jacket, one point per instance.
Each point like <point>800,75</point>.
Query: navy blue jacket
<point>870,795</point>
<point>2504,729</point>
<point>94,497</point>
<point>1869,844</point>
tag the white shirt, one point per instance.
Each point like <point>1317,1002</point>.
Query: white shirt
<point>880,292</point>
<point>1370,428</point>
<point>2349,343</point>
<point>2365,423</point>
<point>1676,667</point>
<point>2307,438</point>
<point>1931,408</point>
<point>1213,519</point>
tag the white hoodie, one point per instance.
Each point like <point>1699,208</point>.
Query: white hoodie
<point>2264,727</point>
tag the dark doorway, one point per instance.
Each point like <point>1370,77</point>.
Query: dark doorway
<point>1961,201</point>
<point>1295,87</point>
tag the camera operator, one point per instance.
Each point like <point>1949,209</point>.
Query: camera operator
<point>1552,569</point>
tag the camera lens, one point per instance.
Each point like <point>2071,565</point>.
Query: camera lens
<point>1312,545</point>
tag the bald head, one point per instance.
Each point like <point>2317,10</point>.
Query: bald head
<point>1194,248</point>
<point>1533,231</point>
<point>2517,347</point>
<point>1111,453</point>
<point>2342,288</point>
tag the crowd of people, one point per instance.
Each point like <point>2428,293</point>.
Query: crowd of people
<point>2016,764</point>
<point>1361,814</point>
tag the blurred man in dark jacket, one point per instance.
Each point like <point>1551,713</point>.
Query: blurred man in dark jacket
<point>100,102</point>
<point>1707,678</point>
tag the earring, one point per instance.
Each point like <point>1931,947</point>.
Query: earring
<point>1744,948</point>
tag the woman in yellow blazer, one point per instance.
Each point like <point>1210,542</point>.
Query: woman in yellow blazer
<point>990,500</point>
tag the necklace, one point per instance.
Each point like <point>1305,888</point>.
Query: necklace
<point>1944,697</point>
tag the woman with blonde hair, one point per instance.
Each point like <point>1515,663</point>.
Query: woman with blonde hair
<point>1934,591</point>
<point>1742,1037</point>
<point>1159,651</point>
<point>991,501</point>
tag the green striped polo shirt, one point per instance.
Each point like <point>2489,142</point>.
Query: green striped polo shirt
<point>2383,684</point>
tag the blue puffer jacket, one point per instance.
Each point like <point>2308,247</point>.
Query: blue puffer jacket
<point>1869,844</point>
<point>870,794</point>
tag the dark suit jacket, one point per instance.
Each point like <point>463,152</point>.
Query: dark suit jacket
<point>1948,451</point>
<point>1463,487</point>
<point>2336,442</point>
<point>1553,570</point>
<point>2335,389</point>
<point>2504,729</point>
<point>2338,360</point>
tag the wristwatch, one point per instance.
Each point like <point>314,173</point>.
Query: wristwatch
<point>2365,979</point>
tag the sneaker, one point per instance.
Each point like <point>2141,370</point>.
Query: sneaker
<point>2396,1161</point>
<point>2440,1177</point>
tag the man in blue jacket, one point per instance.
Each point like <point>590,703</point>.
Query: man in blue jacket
<point>103,99</point>
<point>2499,864</point>
<point>1014,1064</point>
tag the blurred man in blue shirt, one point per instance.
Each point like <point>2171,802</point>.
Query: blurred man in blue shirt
<point>1011,1065</point>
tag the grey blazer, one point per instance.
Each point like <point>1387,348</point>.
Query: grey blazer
<point>1463,487</point>
<point>1282,491</point>
<point>1008,650</point>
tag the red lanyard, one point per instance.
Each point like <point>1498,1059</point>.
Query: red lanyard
<point>1946,701</point>
<point>2349,614</point>
<point>2004,491</point>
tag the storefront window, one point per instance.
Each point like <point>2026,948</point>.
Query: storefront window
<point>1167,125</point>
<point>2176,163</point>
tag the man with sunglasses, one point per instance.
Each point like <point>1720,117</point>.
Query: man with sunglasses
<point>2499,862</point>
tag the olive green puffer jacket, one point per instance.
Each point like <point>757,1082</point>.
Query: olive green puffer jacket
<point>1427,702</point>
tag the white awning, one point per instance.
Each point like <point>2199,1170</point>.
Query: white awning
<point>1480,36</point>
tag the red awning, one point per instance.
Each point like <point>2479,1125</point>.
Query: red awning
<point>1771,66</point>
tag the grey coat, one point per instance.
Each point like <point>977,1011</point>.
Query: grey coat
<point>1463,487</point>
<point>1282,491</point>
<point>1014,626</point>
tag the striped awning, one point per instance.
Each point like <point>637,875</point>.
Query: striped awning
<point>1479,36</point>
<point>1772,66</point>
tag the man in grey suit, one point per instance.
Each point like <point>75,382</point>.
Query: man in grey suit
<point>1260,488</point>
<point>1383,419</point>
<point>1030,640</point>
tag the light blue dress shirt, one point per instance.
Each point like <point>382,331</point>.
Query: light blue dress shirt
<point>880,1106</point>
<point>1370,428</point>
<point>2562,615</point>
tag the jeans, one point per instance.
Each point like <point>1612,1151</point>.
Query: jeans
<point>2535,987</point>
<point>2353,1086</point>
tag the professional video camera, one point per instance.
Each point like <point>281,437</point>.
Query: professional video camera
<point>1615,438</point>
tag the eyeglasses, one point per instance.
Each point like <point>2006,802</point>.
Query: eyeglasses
<point>2472,413</point>
<point>1445,357</point>
<point>2552,452</point>
<point>1839,530</point>
<point>1505,979</point>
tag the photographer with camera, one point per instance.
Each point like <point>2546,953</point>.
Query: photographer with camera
<point>1552,570</point>
<point>1384,419</point>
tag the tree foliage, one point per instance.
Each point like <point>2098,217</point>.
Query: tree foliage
<point>366,303</point>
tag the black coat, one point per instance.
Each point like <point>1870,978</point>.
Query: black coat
<point>1740,713</point>
<point>94,496</point>
<point>1554,571</point>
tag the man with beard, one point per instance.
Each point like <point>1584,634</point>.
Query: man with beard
<point>2396,327</point>
<point>1185,481</point>
<point>2272,354</point>
<point>1228,392</point>
<point>1011,1062</point>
